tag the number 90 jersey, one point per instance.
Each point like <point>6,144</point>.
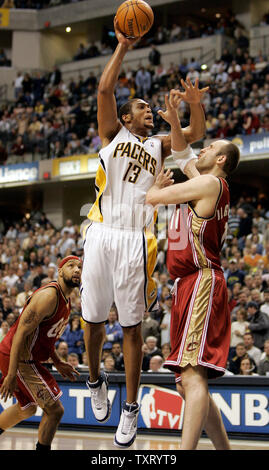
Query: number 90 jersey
<point>128,167</point>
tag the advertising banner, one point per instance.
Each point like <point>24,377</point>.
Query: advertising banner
<point>252,144</point>
<point>74,165</point>
<point>243,409</point>
<point>19,173</point>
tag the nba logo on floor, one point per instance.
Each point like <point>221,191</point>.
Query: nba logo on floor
<point>160,408</point>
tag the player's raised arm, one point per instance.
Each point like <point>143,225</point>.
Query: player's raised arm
<point>192,95</point>
<point>108,122</point>
<point>41,306</point>
<point>181,151</point>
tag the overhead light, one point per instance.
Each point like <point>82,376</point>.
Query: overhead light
<point>27,215</point>
<point>204,67</point>
<point>68,29</point>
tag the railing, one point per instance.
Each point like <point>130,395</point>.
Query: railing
<point>259,44</point>
<point>85,66</point>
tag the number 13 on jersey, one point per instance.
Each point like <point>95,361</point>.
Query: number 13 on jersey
<point>133,171</point>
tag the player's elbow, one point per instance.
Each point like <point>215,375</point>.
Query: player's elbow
<point>195,136</point>
<point>103,88</point>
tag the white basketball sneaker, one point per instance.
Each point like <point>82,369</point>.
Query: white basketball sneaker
<point>127,428</point>
<point>101,405</point>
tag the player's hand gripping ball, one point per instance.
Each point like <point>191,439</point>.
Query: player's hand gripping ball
<point>135,18</point>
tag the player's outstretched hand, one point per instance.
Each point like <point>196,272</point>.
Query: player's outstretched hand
<point>164,179</point>
<point>8,387</point>
<point>67,371</point>
<point>192,94</point>
<point>172,102</point>
<point>122,39</point>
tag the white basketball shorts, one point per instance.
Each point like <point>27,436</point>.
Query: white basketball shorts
<point>118,267</point>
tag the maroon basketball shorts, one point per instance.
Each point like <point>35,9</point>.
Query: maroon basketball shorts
<point>35,384</point>
<point>200,323</point>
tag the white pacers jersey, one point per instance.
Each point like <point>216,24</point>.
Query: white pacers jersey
<point>128,167</point>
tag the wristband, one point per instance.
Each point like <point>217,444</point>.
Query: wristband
<point>182,158</point>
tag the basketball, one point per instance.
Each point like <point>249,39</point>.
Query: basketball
<point>135,18</point>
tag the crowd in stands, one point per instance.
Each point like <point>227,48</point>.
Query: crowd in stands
<point>31,248</point>
<point>52,117</point>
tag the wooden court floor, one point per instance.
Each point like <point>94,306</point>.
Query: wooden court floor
<point>25,439</point>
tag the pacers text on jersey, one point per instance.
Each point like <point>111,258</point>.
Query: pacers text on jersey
<point>138,153</point>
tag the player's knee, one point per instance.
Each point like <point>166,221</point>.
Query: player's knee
<point>55,411</point>
<point>59,411</point>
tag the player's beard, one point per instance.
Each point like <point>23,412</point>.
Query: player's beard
<point>69,282</point>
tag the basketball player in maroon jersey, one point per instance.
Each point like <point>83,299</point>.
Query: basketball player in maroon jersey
<point>200,321</point>
<point>30,341</point>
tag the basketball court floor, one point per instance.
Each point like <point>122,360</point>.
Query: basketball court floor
<point>25,439</point>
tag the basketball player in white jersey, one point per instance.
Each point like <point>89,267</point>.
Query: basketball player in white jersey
<point>119,252</point>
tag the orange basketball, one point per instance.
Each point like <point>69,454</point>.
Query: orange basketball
<point>135,18</point>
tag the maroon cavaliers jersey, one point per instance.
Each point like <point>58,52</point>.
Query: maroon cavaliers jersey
<point>40,344</point>
<point>195,242</point>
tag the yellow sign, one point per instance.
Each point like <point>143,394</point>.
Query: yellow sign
<point>4,17</point>
<point>73,165</point>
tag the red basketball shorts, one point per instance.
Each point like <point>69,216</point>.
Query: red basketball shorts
<point>35,384</point>
<point>200,323</point>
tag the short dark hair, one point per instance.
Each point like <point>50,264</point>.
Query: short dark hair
<point>126,108</point>
<point>232,157</point>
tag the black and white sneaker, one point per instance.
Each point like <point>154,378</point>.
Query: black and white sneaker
<point>127,428</point>
<point>101,405</point>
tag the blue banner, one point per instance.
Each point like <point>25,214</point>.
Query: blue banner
<point>252,144</point>
<point>19,173</point>
<point>244,409</point>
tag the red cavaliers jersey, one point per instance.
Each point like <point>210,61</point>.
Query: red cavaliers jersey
<point>195,242</point>
<point>40,344</point>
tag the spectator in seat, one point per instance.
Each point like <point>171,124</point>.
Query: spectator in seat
<point>4,329</point>
<point>113,329</point>
<point>154,55</point>
<point>117,354</point>
<point>234,362</point>
<point>6,306</point>
<point>238,329</point>
<point>254,352</point>
<point>235,275</point>
<point>149,327</point>
<point>247,366</point>
<point>109,364</point>
<point>265,305</point>
<point>150,349</point>
<point>143,81</point>
<point>156,365</point>
<point>166,349</point>
<point>263,366</point>
<point>74,336</point>
<point>73,359</point>
<point>258,324</point>
<point>62,350</point>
